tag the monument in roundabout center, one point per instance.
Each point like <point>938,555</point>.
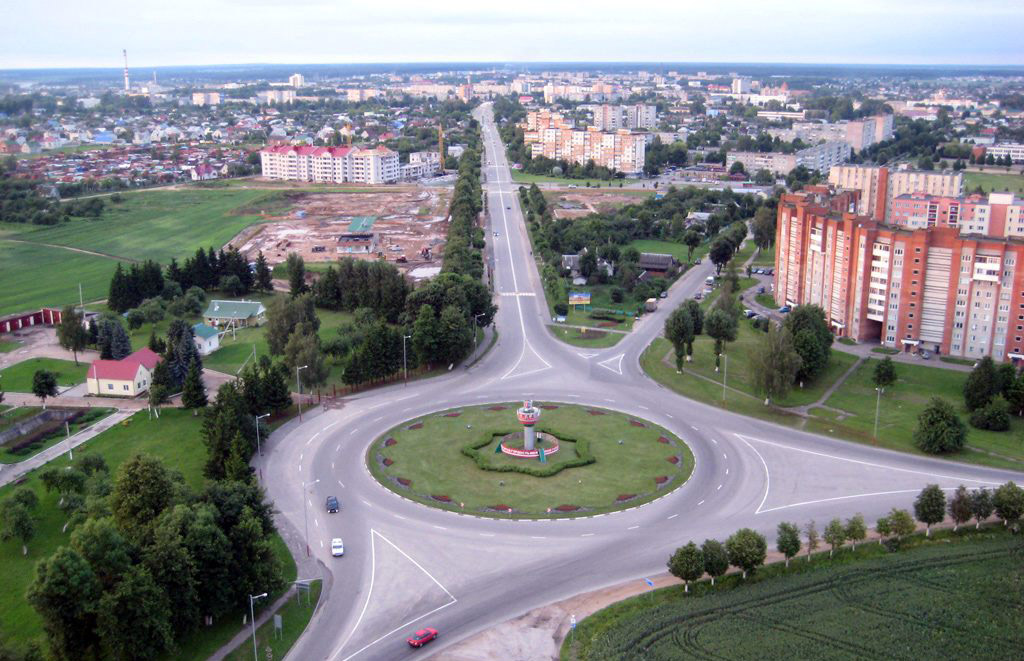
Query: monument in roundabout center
<point>535,445</point>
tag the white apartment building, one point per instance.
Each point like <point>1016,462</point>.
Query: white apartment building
<point>297,80</point>
<point>276,96</point>
<point>821,157</point>
<point>206,98</point>
<point>859,134</point>
<point>879,186</point>
<point>330,164</point>
<point>549,135</point>
<point>1014,150</point>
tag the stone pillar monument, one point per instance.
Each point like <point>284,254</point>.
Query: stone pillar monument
<point>528,415</point>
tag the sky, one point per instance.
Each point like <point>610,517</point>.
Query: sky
<point>91,33</point>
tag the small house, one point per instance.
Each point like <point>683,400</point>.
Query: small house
<point>236,314</point>
<point>207,338</point>
<point>657,264</point>
<point>129,377</point>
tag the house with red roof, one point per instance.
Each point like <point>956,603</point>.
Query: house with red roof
<point>129,377</point>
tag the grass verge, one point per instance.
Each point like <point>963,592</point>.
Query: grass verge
<point>295,615</point>
<point>18,377</point>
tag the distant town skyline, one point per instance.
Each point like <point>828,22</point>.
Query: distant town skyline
<point>198,32</point>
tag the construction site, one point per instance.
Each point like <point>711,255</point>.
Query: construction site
<point>404,226</point>
<point>585,202</point>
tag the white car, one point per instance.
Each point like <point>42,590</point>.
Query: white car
<point>337,547</point>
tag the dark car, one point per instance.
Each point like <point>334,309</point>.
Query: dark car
<point>332,504</point>
<point>421,637</point>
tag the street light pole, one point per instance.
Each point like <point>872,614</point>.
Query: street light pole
<point>298,384</point>
<point>259,450</point>
<point>305,514</point>
<point>405,363</point>
<point>252,619</point>
<point>878,404</point>
<point>475,317</point>
<point>725,373</point>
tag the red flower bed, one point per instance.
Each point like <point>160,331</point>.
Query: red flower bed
<point>549,407</point>
<point>624,497</point>
<point>404,482</point>
<point>661,479</point>
<point>567,508</point>
<point>453,415</point>
<point>502,508</point>
<point>418,425</point>
<point>637,423</point>
<point>673,459</point>
<point>607,324</point>
<point>388,443</point>
<point>595,412</point>
<point>496,408</point>
<point>388,461</point>
<point>443,499</point>
<point>662,439</point>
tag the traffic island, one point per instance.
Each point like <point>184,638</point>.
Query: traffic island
<point>530,460</point>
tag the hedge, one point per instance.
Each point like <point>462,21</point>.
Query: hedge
<point>582,449</point>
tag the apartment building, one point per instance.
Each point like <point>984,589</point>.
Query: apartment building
<point>421,164</point>
<point>821,157</point>
<point>206,98</point>
<point>928,288</point>
<point>859,134</point>
<point>551,136</point>
<point>612,118</point>
<point>297,80</point>
<point>276,96</point>
<point>330,164</point>
<point>998,214</point>
<point>879,186</point>
<point>1014,150</point>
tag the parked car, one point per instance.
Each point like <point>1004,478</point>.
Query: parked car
<point>332,504</point>
<point>698,261</point>
<point>784,309</point>
<point>749,314</point>
<point>925,355</point>
<point>422,637</point>
<point>663,294</point>
<point>760,290</point>
<point>337,547</point>
<point>698,296</point>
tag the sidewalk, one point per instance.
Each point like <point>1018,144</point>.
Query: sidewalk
<point>11,472</point>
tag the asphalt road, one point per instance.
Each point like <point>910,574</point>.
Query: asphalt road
<point>407,566</point>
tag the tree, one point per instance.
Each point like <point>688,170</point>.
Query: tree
<point>679,331</point>
<point>883,527</point>
<point>283,316</point>
<point>721,252</point>
<point>856,529</point>
<point>296,275</point>
<point>455,336</point>
<point>44,384</point>
<point>113,341</point>
<point>930,506</point>
<point>119,296</point>
<point>687,564</point>
<point>156,344</point>
<point>277,395</point>
<point>692,239</point>
<point>142,490</point>
<point>134,618</point>
<point>716,558</point>
<point>835,535</point>
<point>960,507</point>
<point>16,522</point>
<point>426,336</point>
<point>71,332</point>
<point>157,395</point>
<point>64,594</point>
<point>173,568</point>
<point>1008,501</point>
<point>303,350</point>
<point>982,384</point>
<point>812,339</point>
<point>722,328</point>
<point>787,540</point>
<point>885,373</point>
<point>775,363</point>
<point>193,392</point>
<point>764,227</point>
<point>264,279</point>
<point>104,548</point>
<point>901,523</point>
<point>747,550</point>
<point>994,416</point>
<point>981,505</point>
<point>939,428</point>
<point>811,533</point>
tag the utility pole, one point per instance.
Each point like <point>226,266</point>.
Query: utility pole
<point>298,384</point>
<point>878,404</point>
<point>258,418</point>
<point>405,363</point>
<point>725,373</point>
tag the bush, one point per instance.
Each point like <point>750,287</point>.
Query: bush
<point>617,295</point>
<point>939,428</point>
<point>561,309</point>
<point>583,457</point>
<point>135,318</point>
<point>994,416</point>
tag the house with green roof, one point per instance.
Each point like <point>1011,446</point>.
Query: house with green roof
<point>207,338</point>
<point>234,314</point>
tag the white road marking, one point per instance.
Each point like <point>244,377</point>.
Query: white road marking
<point>673,516</point>
<point>341,483</point>
<point>726,471</point>
<point>400,517</point>
<point>301,455</point>
<point>537,537</point>
<point>331,425</point>
<point>859,495</point>
<point>332,465</point>
<point>611,401</point>
<point>767,473</point>
<point>694,428</point>
<point>440,527</point>
<point>714,441</point>
<point>312,437</point>
<point>587,534</point>
<point>321,543</point>
<point>617,361</point>
<point>365,502</point>
<point>644,407</point>
<point>700,503</point>
<point>316,522</point>
<point>352,432</point>
<point>378,419</point>
<point>719,488</point>
<point>486,534</point>
<point>669,415</point>
<point>632,527</point>
<point>337,448</point>
<point>725,456</point>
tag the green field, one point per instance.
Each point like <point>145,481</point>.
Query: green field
<point>950,597</point>
<point>628,459</point>
<point>18,377</point>
<point>174,439</point>
<point>765,257</point>
<point>588,337</point>
<point>155,225</point>
<point>994,181</point>
<point>521,177</point>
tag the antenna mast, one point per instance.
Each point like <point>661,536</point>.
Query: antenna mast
<point>127,84</point>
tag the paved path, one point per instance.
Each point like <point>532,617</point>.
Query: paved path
<point>11,472</point>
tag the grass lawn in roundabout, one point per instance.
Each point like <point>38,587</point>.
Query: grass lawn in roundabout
<point>447,460</point>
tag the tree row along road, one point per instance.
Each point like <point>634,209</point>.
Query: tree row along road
<point>407,566</point>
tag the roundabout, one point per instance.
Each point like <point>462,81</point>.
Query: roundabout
<point>586,461</point>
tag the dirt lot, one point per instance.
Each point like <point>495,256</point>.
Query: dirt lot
<point>582,203</point>
<point>408,227</point>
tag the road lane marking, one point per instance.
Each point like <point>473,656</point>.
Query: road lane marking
<point>694,428</point>
<point>378,419</point>
<point>673,516</point>
<point>486,534</point>
<point>440,527</point>
<point>366,502</point>
<point>719,488</point>
<point>644,407</point>
<point>537,537</point>
<point>726,471</point>
<point>352,432</point>
<point>316,522</point>
<point>337,448</point>
<point>331,425</point>
<point>341,483</point>
<point>700,503</point>
<point>725,456</point>
<point>617,361</point>
<point>632,527</point>
<point>587,534</point>
<point>714,441</point>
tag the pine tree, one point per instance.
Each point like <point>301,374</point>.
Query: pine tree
<point>156,344</point>
<point>120,343</point>
<point>277,395</point>
<point>236,467</point>
<point>193,393</point>
<point>264,279</point>
<point>118,298</point>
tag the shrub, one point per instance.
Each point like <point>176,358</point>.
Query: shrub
<point>939,428</point>
<point>994,416</point>
<point>583,457</point>
<point>561,309</point>
<point>617,295</point>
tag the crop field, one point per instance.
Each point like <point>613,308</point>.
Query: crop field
<point>34,276</point>
<point>960,600</point>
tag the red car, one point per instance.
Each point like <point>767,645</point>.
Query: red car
<point>421,637</point>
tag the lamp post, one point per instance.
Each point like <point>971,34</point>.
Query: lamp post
<point>475,317</point>
<point>252,619</point>
<point>298,384</point>
<point>405,363</point>
<point>305,515</point>
<point>725,373</point>
<point>878,404</point>
<point>258,418</point>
